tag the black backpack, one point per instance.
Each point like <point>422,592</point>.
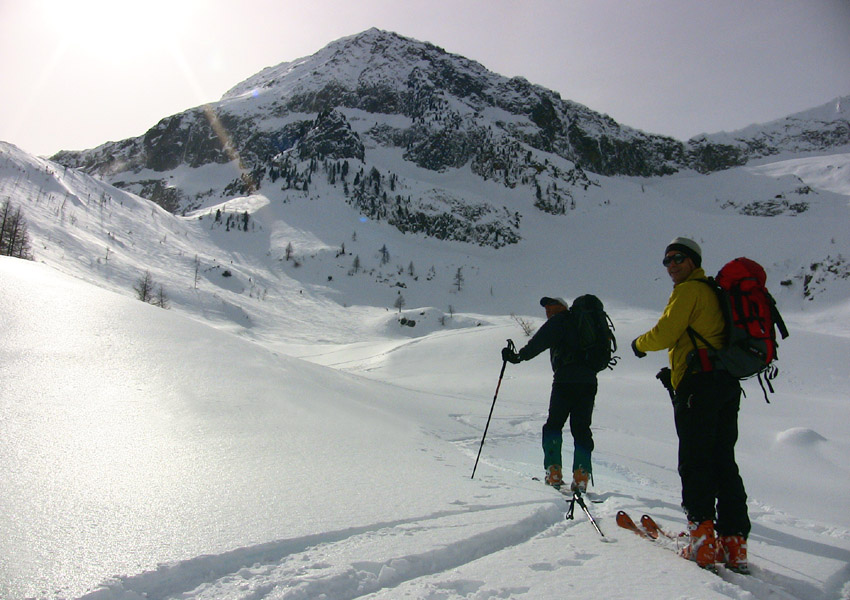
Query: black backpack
<point>596,343</point>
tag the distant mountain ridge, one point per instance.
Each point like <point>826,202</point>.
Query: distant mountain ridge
<point>819,129</point>
<point>335,113</point>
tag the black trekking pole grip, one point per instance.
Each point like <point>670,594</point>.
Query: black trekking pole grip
<point>492,406</point>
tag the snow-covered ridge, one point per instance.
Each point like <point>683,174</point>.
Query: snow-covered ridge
<point>822,129</point>
<point>376,58</point>
<point>350,61</point>
<point>371,57</point>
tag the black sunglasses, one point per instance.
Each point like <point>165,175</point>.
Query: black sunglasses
<point>676,258</point>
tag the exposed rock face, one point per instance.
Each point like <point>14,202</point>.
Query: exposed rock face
<point>330,136</point>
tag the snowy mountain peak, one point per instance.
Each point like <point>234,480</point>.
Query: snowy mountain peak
<point>371,56</point>
<point>385,124</point>
<point>436,111</point>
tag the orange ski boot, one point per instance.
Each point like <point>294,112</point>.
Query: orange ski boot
<point>580,480</point>
<point>702,546</point>
<point>554,477</point>
<point>732,552</point>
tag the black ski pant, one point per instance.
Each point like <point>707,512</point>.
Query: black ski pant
<point>706,413</point>
<point>573,401</point>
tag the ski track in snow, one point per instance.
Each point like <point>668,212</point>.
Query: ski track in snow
<point>300,568</point>
<point>403,558</point>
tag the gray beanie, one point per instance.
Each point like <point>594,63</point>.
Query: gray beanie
<point>688,247</point>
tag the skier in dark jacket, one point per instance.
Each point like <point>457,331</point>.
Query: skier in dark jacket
<point>573,393</point>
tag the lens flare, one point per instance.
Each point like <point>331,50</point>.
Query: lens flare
<point>228,147</point>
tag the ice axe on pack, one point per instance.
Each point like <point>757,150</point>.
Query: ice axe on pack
<point>512,349</point>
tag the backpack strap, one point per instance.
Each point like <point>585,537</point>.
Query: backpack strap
<point>767,379</point>
<point>612,338</point>
<point>704,359</point>
<point>777,318</point>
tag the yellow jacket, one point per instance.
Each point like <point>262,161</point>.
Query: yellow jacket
<point>693,304</point>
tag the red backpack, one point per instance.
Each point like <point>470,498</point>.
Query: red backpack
<point>751,320</point>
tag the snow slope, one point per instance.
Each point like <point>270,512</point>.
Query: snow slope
<point>161,458</point>
<point>279,434</point>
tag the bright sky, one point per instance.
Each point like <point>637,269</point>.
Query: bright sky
<point>75,74</point>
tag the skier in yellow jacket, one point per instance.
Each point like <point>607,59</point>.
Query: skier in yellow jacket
<point>706,403</point>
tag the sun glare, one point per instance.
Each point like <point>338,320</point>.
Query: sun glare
<point>117,30</point>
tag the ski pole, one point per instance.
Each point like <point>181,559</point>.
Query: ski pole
<point>583,506</point>
<point>492,406</point>
<point>578,499</point>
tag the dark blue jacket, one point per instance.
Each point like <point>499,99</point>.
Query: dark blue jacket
<point>560,336</point>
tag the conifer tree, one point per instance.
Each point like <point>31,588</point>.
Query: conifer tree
<point>459,279</point>
<point>14,233</point>
<point>144,287</point>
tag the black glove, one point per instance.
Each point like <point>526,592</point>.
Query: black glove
<point>509,355</point>
<point>664,376</point>
<point>637,352</point>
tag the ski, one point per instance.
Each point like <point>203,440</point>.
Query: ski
<point>648,528</point>
<point>653,529</point>
<point>625,521</point>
